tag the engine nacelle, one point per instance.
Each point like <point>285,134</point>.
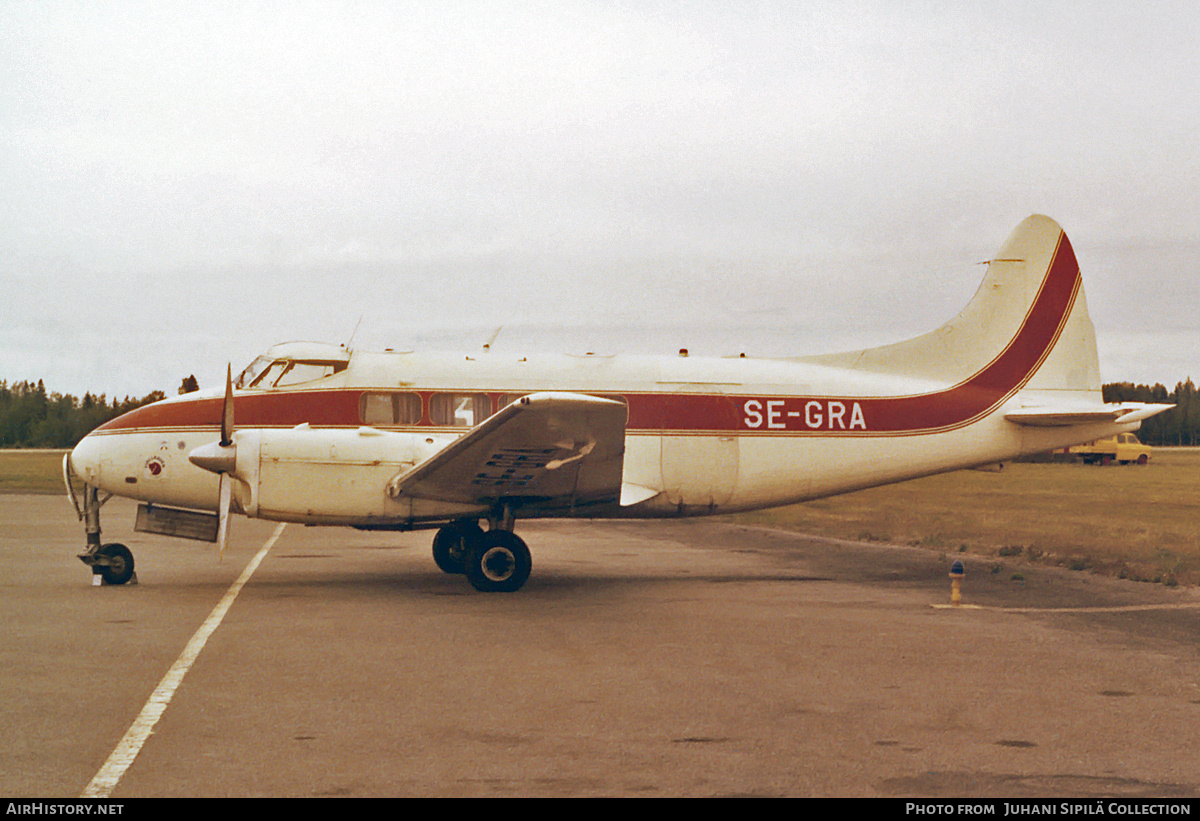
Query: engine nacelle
<point>324,476</point>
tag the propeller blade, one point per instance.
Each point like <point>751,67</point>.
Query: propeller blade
<point>227,409</point>
<point>223,513</point>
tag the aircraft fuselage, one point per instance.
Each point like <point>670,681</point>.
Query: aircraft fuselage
<point>705,435</point>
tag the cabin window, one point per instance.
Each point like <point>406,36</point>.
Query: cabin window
<point>390,409</point>
<point>459,410</point>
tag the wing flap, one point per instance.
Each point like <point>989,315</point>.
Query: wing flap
<point>632,494</point>
<point>562,449</point>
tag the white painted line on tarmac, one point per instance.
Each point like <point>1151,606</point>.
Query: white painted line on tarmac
<point>1122,608</point>
<point>129,747</point>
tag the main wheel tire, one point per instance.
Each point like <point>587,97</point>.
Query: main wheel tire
<point>499,562</point>
<point>119,568</point>
<point>452,543</point>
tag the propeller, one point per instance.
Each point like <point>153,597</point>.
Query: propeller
<point>227,409</point>
<point>226,499</point>
<point>221,458</point>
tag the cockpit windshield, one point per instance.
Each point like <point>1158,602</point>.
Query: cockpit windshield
<point>252,372</point>
<point>292,363</point>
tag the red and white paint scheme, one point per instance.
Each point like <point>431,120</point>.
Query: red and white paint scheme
<point>323,435</point>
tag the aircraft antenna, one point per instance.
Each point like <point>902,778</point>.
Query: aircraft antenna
<point>354,332</point>
<point>487,346</point>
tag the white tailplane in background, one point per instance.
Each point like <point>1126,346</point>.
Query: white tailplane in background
<point>322,435</point>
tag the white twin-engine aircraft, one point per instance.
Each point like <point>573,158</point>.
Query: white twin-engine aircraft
<point>322,435</point>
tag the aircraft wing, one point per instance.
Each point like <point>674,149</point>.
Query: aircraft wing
<point>556,449</point>
<point>1050,417</point>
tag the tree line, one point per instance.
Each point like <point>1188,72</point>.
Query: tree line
<point>1180,426</point>
<point>32,418</point>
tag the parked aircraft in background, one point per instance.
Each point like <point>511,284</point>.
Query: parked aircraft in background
<point>323,435</point>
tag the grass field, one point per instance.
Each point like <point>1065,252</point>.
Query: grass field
<point>1135,522</point>
<point>1129,521</point>
<point>31,471</point>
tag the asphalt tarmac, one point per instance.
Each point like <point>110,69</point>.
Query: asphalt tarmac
<point>693,658</point>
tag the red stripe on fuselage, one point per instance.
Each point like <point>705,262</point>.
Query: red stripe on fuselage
<point>338,408</point>
<point>684,412</point>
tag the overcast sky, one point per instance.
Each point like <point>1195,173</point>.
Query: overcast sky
<point>184,184</point>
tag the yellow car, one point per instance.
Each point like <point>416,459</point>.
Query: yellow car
<point>1123,448</point>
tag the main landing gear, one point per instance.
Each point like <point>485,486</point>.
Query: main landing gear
<point>494,561</point>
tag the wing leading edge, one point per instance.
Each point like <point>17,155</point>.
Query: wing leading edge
<point>551,449</point>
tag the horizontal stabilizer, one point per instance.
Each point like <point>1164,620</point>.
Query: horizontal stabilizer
<point>1049,417</point>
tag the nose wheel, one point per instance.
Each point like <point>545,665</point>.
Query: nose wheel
<point>114,563</point>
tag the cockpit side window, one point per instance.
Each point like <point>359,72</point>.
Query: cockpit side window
<point>264,373</point>
<point>268,377</point>
<point>298,372</point>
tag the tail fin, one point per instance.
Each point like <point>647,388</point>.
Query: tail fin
<point>1027,326</point>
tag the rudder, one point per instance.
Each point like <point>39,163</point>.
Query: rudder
<point>1027,323</point>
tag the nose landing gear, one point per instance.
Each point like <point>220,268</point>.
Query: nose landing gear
<point>112,563</point>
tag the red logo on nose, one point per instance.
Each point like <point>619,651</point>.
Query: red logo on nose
<point>155,466</point>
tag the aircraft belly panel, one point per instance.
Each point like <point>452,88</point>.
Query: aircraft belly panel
<point>699,471</point>
<point>642,465</point>
<point>699,467</point>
